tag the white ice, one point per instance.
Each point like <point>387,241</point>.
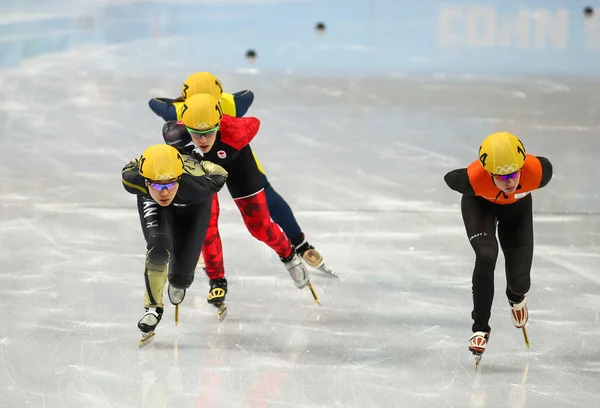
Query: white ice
<point>357,135</point>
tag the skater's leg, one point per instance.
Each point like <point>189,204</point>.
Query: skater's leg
<point>246,188</point>
<point>281,212</point>
<point>156,224</point>
<point>515,233</point>
<point>212,251</point>
<point>189,232</point>
<point>213,254</point>
<point>244,184</point>
<point>255,212</point>
<point>256,217</point>
<point>480,225</point>
<point>283,215</point>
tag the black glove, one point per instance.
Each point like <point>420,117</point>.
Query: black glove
<point>131,165</point>
<point>215,174</point>
<point>177,136</point>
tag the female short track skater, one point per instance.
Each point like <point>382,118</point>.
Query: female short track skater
<point>497,190</point>
<point>174,197</point>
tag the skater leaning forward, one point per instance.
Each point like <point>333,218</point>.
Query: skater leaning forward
<point>225,140</point>
<point>496,191</point>
<point>174,195</point>
<point>237,105</point>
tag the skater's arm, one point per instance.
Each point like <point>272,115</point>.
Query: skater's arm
<point>238,132</point>
<point>215,174</point>
<point>176,135</point>
<point>164,108</point>
<point>166,101</point>
<point>133,182</point>
<point>546,171</point>
<point>242,101</point>
<point>458,180</point>
<point>205,177</point>
<point>237,104</point>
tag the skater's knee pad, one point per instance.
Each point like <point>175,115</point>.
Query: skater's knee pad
<point>181,281</point>
<point>486,254</point>
<point>158,256</point>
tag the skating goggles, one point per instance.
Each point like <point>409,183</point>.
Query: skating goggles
<point>161,186</point>
<point>506,177</point>
<point>200,133</point>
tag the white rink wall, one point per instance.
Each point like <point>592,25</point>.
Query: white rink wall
<point>398,36</point>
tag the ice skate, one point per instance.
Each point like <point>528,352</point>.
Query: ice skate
<point>477,344</point>
<point>176,296</point>
<point>148,323</point>
<point>298,272</point>
<point>520,314</point>
<point>520,317</point>
<point>216,296</point>
<point>313,258</point>
<point>296,268</point>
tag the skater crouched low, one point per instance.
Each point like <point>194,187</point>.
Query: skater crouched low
<point>174,196</point>
<point>225,140</point>
<point>496,191</point>
<point>236,105</point>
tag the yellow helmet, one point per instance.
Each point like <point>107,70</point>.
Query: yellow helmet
<point>202,113</point>
<point>201,82</point>
<point>502,153</point>
<point>161,162</point>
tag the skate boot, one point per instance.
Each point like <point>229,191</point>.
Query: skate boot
<point>310,255</point>
<point>477,344</point>
<point>148,323</point>
<point>176,295</point>
<point>296,268</point>
<point>216,296</point>
<point>520,314</point>
<point>217,291</point>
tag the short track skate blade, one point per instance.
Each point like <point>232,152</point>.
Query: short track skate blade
<point>222,313</point>
<point>312,291</point>
<point>525,336</point>
<point>324,269</point>
<point>146,339</point>
<point>477,360</point>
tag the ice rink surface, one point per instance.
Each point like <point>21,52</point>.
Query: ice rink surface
<point>358,130</point>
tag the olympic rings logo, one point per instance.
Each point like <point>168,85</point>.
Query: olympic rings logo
<point>203,125</point>
<point>506,169</point>
<point>167,176</point>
